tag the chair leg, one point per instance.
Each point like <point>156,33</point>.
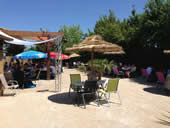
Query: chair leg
<point>78,99</point>
<point>69,91</point>
<point>97,98</point>
<point>107,99</point>
<point>84,101</point>
<point>108,96</point>
<point>23,85</point>
<point>119,97</point>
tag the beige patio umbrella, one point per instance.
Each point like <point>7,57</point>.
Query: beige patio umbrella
<point>166,51</point>
<point>95,44</point>
<point>74,55</point>
<point>109,53</point>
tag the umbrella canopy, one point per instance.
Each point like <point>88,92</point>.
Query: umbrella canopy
<point>74,55</point>
<point>113,53</point>
<point>166,51</point>
<point>95,44</point>
<point>31,55</point>
<point>56,55</point>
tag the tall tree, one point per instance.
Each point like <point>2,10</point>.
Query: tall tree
<point>109,28</point>
<point>131,29</point>
<point>72,35</point>
<point>157,23</point>
<point>89,33</point>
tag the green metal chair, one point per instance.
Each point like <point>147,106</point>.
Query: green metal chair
<point>90,88</point>
<point>112,87</point>
<point>74,78</point>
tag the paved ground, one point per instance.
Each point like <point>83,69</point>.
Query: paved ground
<point>142,107</point>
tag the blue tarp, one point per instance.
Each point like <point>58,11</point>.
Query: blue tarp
<point>31,55</point>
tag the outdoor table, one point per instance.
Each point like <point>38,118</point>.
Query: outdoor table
<point>81,87</point>
<point>82,83</point>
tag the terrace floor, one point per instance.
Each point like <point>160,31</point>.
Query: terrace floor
<point>142,107</point>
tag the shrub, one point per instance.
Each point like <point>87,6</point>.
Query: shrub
<point>82,68</point>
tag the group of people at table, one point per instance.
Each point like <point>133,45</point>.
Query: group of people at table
<point>24,73</point>
<point>151,73</point>
<point>125,70</point>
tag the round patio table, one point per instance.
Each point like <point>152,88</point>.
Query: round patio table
<point>82,83</point>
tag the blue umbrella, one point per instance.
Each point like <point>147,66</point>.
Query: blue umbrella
<point>31,55</point>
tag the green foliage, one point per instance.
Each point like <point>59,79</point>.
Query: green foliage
<point>90,33</point>
<point>109,28</point>
<point>131,28</point>
<point>149,29</point>
<point>157,23</point>
<point>41,48</point>
<point>100,65</point>
<point>72,34</point>
<point>82,68</point>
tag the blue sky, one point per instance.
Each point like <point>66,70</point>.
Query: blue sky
<point>31,15</point>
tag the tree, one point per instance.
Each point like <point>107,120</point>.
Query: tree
<point>72,34</point>
<point>131,30</point>
<point>109,28</point>
<point>157,24</point>
<point>90,33</point>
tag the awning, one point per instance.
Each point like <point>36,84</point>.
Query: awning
<point>22,42</point>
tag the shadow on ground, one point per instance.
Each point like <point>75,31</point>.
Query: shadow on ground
<point>8,94</point>
<point>157,91</point>
<point>62,98</point>
<point>142,81</point>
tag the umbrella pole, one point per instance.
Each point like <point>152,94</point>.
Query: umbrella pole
<point>92,55</point>
<point>48,62</point>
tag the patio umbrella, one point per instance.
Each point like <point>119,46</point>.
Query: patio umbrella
<point>31,55</point>
<point>95,44</point>
<point>166,51</point>
<point>74,55</point>
<point>114,53</point>
<point>56,55</point>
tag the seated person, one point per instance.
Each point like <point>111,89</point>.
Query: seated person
<point>6,68</point>
<point>19,76</point>
<point>26,70</point>
<point>152,77</point>
<point>148,70</point>
<point>133,71</point>
<point>53,71</point>
<point>127,70</point>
